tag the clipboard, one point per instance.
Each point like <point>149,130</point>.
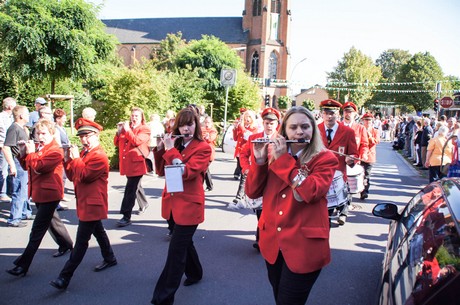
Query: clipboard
<point>173,177</point>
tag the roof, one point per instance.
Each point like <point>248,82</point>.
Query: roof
<point>153,30</point>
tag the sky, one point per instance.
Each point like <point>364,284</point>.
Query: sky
<point>322,31</point>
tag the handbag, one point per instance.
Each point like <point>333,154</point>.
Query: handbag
<point>148,162</point>
<point>454,168</point>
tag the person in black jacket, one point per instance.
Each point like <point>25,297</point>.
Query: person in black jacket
<point>427,134</point>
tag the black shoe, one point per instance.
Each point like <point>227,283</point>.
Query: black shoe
<point>236,177</point>
<point>105,265</point>
<point>123,222</point>
<point>61,252</point>
<point>17,271</point>
<point>256,246</point>
<point>363,196</point>
<point>189,282</point>
<point>208,189</point>
<point>60,283</point>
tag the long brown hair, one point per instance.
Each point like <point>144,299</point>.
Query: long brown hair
<point>316,144</point>
<point>186,117</point>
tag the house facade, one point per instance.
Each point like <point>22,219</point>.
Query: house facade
<point>260,37</point>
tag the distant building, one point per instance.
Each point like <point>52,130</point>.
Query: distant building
<point>260,38</point>
<point>314,93</point>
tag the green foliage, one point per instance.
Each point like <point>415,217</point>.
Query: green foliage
<point>422,67</point>
<point>391,61</point>
<point>309,104</point>
<point>207,57</point>
<point>52,39</point>
<point>283,102</point>
<point>165,56</point>
<point>355,67</point>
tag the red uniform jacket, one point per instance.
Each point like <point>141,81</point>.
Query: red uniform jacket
<point>373,136</point>
<point>344,141</point>
<point>89,175</point>
<point>239,137</point>
<point>187,207</point>
<point>132,161</point>
<point>210,136</point>
<point>246,151</point>
<point>45,173</point>
<point>362,141</point>
<point>299,229</point>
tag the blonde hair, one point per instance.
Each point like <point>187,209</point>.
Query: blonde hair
<point>316,144</point>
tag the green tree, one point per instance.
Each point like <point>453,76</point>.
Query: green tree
<point>207,57</point>
<point>358,75</point>
<point>309,104</point>
<point>169,48</point>
<point>283,102</point>
<point>390,62</point>
<point>52,39</point>
<point>420,73</point>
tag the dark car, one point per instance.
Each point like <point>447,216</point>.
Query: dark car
<point>422,259</point>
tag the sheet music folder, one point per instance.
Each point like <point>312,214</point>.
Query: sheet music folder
<point>173,177</point>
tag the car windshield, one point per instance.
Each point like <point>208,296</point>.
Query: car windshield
<point>429,254</point>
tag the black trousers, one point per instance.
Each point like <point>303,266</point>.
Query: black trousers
<point>182,258</point>
<point>47,218</point>
<point>84,232</point>
<point>133,190</point>
<point>240,192</point>
<point>237,171</point>
<point>290,288</point>
<point>208,178</point>
<point>367,176</point>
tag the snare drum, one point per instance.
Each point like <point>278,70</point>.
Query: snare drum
<point>338,191</point>
<point>355,178</point>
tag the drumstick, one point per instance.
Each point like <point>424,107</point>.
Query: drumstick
<point>345,155</point>
<point>263,140</point>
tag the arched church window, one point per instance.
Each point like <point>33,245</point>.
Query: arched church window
<point>276,6</point>
<point>256,7</point>
<point>273,67</point>
<point>255,65</point>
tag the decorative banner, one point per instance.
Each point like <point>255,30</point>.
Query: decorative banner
<point>365,87</point>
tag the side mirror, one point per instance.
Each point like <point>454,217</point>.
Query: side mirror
<point>386,210</point>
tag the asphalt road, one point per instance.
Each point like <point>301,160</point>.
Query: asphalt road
<point>234,272</point>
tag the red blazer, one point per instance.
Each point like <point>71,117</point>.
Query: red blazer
<point>210,136</point>
<point>131,160</point>
<point>90,174</point>
<point>45,173</point>
<point>362,141</point>
<point>344,138</point>
<point>246,151</point>
<point>239,137</point>
<point>299,229</point>
<point>187,206</point>
<point>374,139</point>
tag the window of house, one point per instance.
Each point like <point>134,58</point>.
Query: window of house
<point>255,65</point>
<point>273,67</point>
<point>276,6</point>
<point>256,7</point>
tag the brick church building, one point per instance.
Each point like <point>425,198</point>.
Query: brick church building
<point>260,37</point>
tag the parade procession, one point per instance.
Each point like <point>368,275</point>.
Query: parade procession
<point>178,160</point>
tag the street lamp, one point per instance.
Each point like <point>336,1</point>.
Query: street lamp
<point>290,78</point>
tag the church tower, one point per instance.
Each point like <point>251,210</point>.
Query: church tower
<point>267,55</point>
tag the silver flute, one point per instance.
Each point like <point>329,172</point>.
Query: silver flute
<point>265,140</point>
<point>175,136</point>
